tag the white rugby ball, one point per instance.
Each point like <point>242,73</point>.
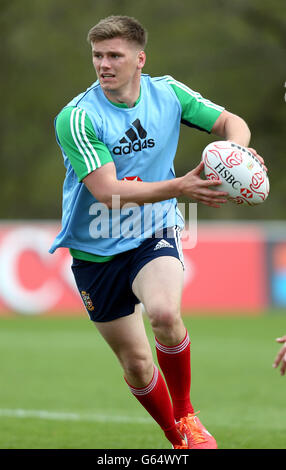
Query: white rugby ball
<point>241,173</point>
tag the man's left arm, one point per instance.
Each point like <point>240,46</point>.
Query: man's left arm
<point>231,127</point>
<point>205,115</point>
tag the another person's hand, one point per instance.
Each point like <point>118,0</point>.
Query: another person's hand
<point>281,356</point>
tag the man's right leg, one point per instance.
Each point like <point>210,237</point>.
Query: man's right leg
<point>158,285</point>
<point>127,338</point>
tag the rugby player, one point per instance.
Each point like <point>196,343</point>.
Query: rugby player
<point>121,220</point>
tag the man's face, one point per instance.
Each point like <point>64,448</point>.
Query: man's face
<point>117,62</point>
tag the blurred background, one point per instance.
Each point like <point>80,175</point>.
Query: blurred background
<point>234,299</point>
<point>232,52</point>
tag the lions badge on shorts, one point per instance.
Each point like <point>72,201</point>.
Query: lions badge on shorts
<point>87,300</point>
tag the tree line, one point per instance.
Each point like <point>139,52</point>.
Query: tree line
<point>232,52</point>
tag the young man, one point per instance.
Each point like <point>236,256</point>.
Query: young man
<point>119,140</point>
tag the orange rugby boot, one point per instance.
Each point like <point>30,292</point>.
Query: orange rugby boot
<point>195,434</point>
<point>182,446</point>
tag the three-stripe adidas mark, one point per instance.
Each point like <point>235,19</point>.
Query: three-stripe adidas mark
<point>135,140</point>
<point>77,128</point>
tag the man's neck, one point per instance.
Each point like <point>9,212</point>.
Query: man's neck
<point>128,97</point>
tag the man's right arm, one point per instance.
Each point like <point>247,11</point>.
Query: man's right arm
<point>103,184</point>
<point>94,166</point>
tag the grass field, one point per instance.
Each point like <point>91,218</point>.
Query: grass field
<point>61,387</point>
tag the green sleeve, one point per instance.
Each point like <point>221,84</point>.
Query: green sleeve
<point>77,138</point>
<point>196,110</point>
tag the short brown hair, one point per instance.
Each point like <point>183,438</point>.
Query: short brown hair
<point>118,26</point>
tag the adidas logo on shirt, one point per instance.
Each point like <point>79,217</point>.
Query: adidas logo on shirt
<point>134,140</point>
<point>163,244</point>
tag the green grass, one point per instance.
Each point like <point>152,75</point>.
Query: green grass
<point>63,366</point>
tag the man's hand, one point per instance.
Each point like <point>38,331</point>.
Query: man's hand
<point>194,187</point>
<point>253,151</point>
<point>281,356</point>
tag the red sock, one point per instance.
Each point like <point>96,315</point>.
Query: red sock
<point>175,363</point>
<point>155,399</point>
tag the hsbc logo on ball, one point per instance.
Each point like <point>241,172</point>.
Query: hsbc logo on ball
<point>240,173</point>
<point>228,176</point>
<point>246,193</point>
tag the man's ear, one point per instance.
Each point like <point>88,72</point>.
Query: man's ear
<point>141,59</point>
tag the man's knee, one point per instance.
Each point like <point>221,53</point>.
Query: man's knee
<point>164,315</point>
<point>138,369</point>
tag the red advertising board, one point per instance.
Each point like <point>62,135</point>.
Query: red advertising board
<point>225,271</point>
<point>32,281</point>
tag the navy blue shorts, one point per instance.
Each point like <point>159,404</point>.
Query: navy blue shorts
<point>106,288</point>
